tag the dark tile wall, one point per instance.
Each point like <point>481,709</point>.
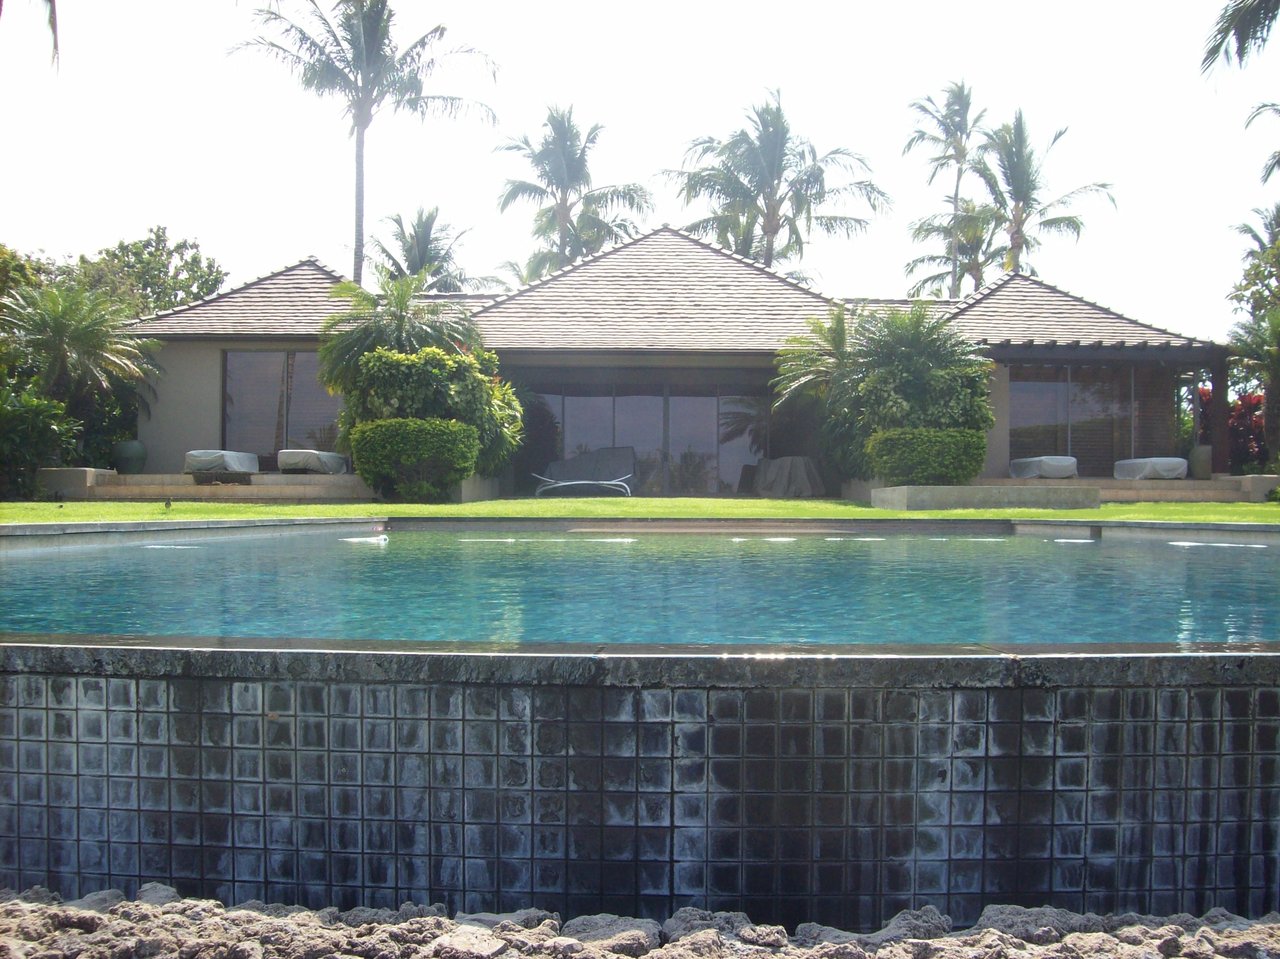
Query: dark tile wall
<point>836,803</point>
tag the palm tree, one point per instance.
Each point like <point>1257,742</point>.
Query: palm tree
<point>952,130</point>
<point>520,275</point>
<point>394,319</point>
<point>1273,161</point>
<point>763,180</point>
<point>1270,231</point>
<point>1017,189</point>
<point>575,219</point>
<point>352,56</point>
<point>77,342</point>
<point>425,244</point>
<point>1243,27</point>
<point>970,239</point>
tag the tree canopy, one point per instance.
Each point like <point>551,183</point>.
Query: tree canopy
<point>1012,171</point>
<point>152,274</point>
<point>1256,339</point>
<point>575,218</point>
<point>949,131</point>
<point>766,186</point>
<point>424,245</point>
<point>1243,28</point>
<point>353,56</point>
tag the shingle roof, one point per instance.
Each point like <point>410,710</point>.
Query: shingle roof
<point>290,302</point>
<point>665,290</point>
<point>1019,310</point>
<point>668,291</point>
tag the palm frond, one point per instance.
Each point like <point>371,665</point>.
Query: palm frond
<point>1243,28</point>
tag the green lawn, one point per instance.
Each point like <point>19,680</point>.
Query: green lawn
<point>622,508</point>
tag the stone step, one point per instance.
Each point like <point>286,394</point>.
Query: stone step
<point>231,491</point>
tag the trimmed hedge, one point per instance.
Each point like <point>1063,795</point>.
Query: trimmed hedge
<point>418,460</point>
<point>918,456</point>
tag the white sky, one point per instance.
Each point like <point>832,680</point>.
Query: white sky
<point>151,119</point>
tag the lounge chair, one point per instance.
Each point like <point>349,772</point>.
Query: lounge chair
<point>1151,467</point>
<point>310,461</point>
<point>219,461</point>
<point>607,468</point>
<point>1043,467</point>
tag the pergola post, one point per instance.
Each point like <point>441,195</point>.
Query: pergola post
<point>1218,415</point>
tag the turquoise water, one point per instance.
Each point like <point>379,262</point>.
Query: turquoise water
<point>653,589</point>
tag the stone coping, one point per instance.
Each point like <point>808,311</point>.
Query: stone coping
<point>21,536</point>
<point>55,529</point>
<point>1252,665</point>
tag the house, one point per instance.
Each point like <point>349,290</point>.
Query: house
<point>666,343</point>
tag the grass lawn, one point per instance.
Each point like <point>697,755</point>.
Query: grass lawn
<point>623,508</point>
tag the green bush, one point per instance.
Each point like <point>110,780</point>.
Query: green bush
<point>414,459</point>
<point>919,456</point>
<point>34,432</point>
<point>434,384</point>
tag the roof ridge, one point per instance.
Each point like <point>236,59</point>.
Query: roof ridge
<point>555,274</point>
<point>754,264</point>
<point>632,241</point>
<point>980,293</point>
<point>305,261</point>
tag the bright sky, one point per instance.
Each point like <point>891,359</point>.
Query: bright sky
<point>151,118</point>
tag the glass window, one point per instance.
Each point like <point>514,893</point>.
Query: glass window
<point>273,400</point>
<point>692,469</point>
<point>744,437</point>
<point>1038,411</point>
<point>638,423</point>
<point>1100,428</point>
<point>313,413</point>
<point>255,404</point>
<point>588,423</point>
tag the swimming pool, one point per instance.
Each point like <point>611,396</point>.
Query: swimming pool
<point>511,589</point>
<point>830,779</point>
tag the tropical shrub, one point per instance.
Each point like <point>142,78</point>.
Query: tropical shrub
<point>414,459</point>
<point>73,344</point>
<point>452,386</point>
<point>921,456</point>
<point>395,318</point>
<point>34,432</point>
<point>891,370</point>
<point>1247,450</point>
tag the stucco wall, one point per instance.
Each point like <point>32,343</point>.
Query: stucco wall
<point>186,412</point>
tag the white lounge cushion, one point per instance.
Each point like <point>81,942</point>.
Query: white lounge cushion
<point>219,461</point>
<point>1043,467</point>
<point>311,461</point>
<point>1152,467</point>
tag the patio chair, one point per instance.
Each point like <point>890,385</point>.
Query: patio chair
<point>607,468</point>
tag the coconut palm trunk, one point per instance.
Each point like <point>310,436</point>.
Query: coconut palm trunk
<point>357,268</point>
<point>953,245</point>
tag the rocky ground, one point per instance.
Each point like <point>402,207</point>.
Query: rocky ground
<point>159,923</point>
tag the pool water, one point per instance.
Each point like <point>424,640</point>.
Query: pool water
<point>659,589</point>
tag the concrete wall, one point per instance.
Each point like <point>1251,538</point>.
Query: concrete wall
<point>837,789</point>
